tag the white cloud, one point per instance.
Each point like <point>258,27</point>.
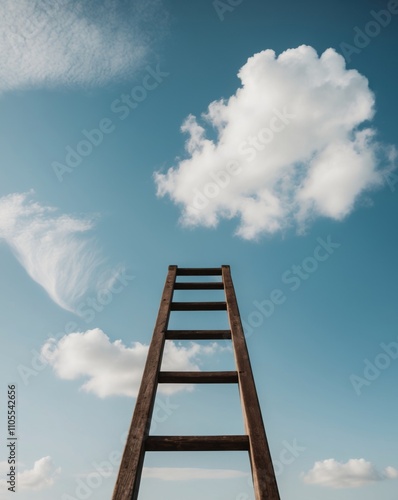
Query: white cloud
<point>112,368</point>
<point>292,144</point>
<point>352,474</point>
<point>41,476</point>
<point>54,249</point>
<point>190,474</point>
<point>391,473</point>
<point>65,42</point>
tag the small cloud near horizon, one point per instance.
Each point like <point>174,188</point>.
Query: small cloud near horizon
<point>355,473</point>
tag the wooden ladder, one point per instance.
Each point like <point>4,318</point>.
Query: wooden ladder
<point>254,441</point>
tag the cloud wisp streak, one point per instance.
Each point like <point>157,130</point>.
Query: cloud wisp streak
<point>50,43</point>
<point>54,249</point>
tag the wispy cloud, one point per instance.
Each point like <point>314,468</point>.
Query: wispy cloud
<point>112,368</point>
<point>355,473</point>
<point>190,474</point>
<point>55,250</point>
<point>42,475</point>
<point>292,144</point>
<point>65,42</point>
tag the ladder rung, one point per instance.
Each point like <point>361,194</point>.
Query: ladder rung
<point>198,377</point>
<point>212,285</point>
<point>197,443</point>
<point>198,334</point>
<point>198,306</point>
<point>199,271</point>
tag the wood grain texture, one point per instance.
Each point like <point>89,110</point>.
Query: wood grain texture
<point>229,377</point>
<point>139,441</point>
<point>197,443</point>
<point>264,482</point>
<point>128,481</point>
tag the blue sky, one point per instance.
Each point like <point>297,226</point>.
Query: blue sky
<point>262,135</point>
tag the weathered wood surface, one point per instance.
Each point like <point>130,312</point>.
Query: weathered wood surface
<point>255,441</point>
<point>264,482</point>
<point>128,481</point>
<point>229,377</point>
<point>199,271</point>
<point>198,334</point>
<point>197,443</point>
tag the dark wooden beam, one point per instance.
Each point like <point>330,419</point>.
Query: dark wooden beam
<point>198,377</point>
<point>198,334</point>
<point>199,271</point>
<point>197,443</point>
<point>198,306</point>
<point>197,285</point>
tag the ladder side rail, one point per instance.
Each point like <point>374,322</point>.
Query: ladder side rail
<point>264,482</point>
<point>130,471</point>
